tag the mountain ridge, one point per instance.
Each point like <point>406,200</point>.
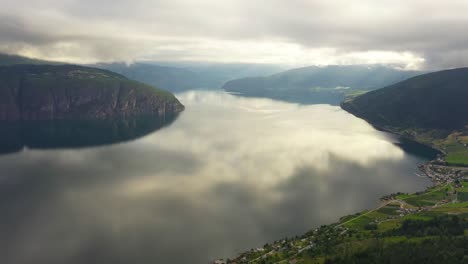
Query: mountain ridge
<point>9,59</point>
<point>182,77</point>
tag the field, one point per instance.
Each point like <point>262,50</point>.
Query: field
<point>454,144</point>
<point>429,199</point>
<point>417,207</point>
<point>457,152</point>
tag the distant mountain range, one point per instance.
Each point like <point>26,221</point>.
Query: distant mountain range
<point>329,84</point>
<point>170,76</point>
<point>177,77</point>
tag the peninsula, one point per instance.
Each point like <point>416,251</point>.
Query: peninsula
<point>70,92</point>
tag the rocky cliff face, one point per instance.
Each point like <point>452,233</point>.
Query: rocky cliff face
<point>33,92</point>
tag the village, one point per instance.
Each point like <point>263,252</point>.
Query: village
<point>442,174</point>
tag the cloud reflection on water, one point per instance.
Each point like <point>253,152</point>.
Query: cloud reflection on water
<point>231,173</point>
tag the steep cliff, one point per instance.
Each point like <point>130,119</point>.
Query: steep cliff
<point>49,92</point>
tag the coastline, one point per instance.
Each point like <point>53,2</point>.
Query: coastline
<point>442,175</point>
<point>437,169</point>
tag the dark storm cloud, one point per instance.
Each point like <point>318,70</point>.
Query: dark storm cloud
<point>263,31</point>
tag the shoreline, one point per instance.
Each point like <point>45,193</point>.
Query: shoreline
<point>437,170</point>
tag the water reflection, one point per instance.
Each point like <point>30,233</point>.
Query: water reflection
<point>417,149</point>
<point>232,173</point>
<point>14,136</point>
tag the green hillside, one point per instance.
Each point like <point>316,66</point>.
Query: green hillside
<point>435,100</point>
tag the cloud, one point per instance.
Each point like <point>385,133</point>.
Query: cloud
<point>417,34</point>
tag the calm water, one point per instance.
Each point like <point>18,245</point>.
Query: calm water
<point>227,175</point>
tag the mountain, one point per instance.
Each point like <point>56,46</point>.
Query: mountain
<point>220,73</point>
<point>431,109</point>
<point>433,101</point>
<point>315,84</point>
<point>69,92</point>
<point>169,78</point>
<point>6,59</point>
<point>178,77</point>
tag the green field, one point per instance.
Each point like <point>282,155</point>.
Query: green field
<point>426,199</point>
<point>457,153</point>
<point>390,209</point>
<point>457,158</point>
<point>447,141</point>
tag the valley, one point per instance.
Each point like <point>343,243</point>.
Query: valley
<point>233,132</point>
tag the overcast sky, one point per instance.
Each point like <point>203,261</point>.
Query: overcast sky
<point>415,33</point>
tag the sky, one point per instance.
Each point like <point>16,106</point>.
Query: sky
<point>414,34</point>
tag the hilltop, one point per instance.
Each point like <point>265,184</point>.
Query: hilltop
<point>7,59</point>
